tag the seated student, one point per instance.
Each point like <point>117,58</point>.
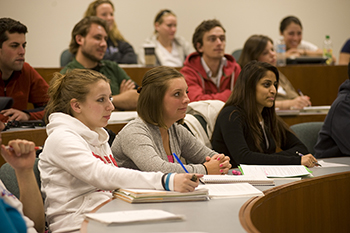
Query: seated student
<point>77,169</point>
<point>89,44</point>
<point>118,49</point>
<point>344,56</point>
<point>170,50</point>
<point>148,143</point>
<point>26,214</point>
<point>17,78</point>
<point>334,137</point>
<point>210,73</point>
<point>292,32</point>
<point>247,128</point>
<point>260,48</point>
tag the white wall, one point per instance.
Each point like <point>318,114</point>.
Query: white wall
<point>50,21</point>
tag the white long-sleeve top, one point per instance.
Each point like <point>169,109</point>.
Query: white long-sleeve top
<point>78,172</point>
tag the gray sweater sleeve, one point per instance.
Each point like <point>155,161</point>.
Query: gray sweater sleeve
<point>139,146</point>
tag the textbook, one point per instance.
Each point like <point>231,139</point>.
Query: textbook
<point>253,179</point>
<point>232,190</point>
<point>133,216</point>
<point>149,195</point>
<point>280,171</point>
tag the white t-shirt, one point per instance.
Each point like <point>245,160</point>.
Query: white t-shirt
<point>170,59</point>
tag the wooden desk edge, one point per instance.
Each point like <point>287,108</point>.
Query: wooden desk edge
<point>84,225</point>
<point>248,206</point>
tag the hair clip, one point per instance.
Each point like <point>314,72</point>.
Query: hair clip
<point>139,89</point>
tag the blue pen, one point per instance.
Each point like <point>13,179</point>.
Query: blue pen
<point>182,165</point>
<point>179,161</point>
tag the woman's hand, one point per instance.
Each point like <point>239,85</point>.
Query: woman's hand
<point>308,160</point>
<point>183,182</point>
<point>218,164</point>
<point>300,102</point>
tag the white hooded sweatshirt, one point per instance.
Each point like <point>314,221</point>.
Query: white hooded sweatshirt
<point>78,172</point>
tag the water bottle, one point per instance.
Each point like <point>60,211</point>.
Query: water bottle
<point>280,52</point>
<point>328,50</point>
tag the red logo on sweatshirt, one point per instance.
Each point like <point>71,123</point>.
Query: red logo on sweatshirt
<point>106,159</point>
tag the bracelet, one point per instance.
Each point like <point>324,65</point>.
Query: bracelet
<point>163,181</point>
<point>206,170</point>
<point>167,182</point>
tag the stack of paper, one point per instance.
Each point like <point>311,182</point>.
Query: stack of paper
<point>276,170</point>
<point>133,216</point>
<point>232,190</point>
<point>318,109</point>
<point>254,179</point>
<point>122,116</point>
<point>146,195</point>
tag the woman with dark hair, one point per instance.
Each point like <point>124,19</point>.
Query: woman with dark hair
<point>292,32</point>
<point>247,128</point>
<point>170,50</point>
<point>148,143</point>
<point>260,48</point>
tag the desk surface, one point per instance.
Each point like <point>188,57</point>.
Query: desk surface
<point>218,215</point>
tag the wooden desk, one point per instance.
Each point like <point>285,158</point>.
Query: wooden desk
<point>292,120</point>
<point>38,135</point>
<point>222,215</point>
<point>320,82</point>
<point>320,204</point>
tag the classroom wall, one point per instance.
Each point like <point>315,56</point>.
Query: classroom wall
<point>50,21</point>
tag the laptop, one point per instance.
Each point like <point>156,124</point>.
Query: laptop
<point>306,60</point>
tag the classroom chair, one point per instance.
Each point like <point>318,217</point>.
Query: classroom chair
<point>236,54</point>
<point>308,133</point>
<point>65,58</point>
<point>8,177</point>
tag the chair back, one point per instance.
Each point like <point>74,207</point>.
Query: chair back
<point>66,57</point>
<point>237,53</point>
<point>8,177</point>
<point>308,133</point>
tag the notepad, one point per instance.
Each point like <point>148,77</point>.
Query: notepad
<point>253,179</point>
<point>133,216</point>
<point>147,195</point>
<point>321,109</point>
<point>276,170</point>
<point>232,190</point>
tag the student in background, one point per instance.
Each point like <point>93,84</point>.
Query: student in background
<point>334,137</point>
<point>118,49</point>
<point>260,48</point>
<point>89,44</point>
<point>148,143</point>
<point>292,31</point>
<point>210,73</point>
<point>247,128</point>
<point>26,214</point>
<point>344,56</point>
<point>170,50</point>
<point>17,78</point>
<point>77,169</point>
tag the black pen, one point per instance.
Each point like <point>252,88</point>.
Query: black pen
<point>316,163</point>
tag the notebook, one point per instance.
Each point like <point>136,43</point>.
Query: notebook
<point>148,195</point>
<point>133,216</point>
<point>253,179</point>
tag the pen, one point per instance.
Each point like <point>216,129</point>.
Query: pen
<point>300,93</point>
<point>35,148</point>
<point>194,177</point>
<point>316,163</point>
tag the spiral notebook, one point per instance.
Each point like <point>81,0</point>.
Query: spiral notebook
<point>251,179</point>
